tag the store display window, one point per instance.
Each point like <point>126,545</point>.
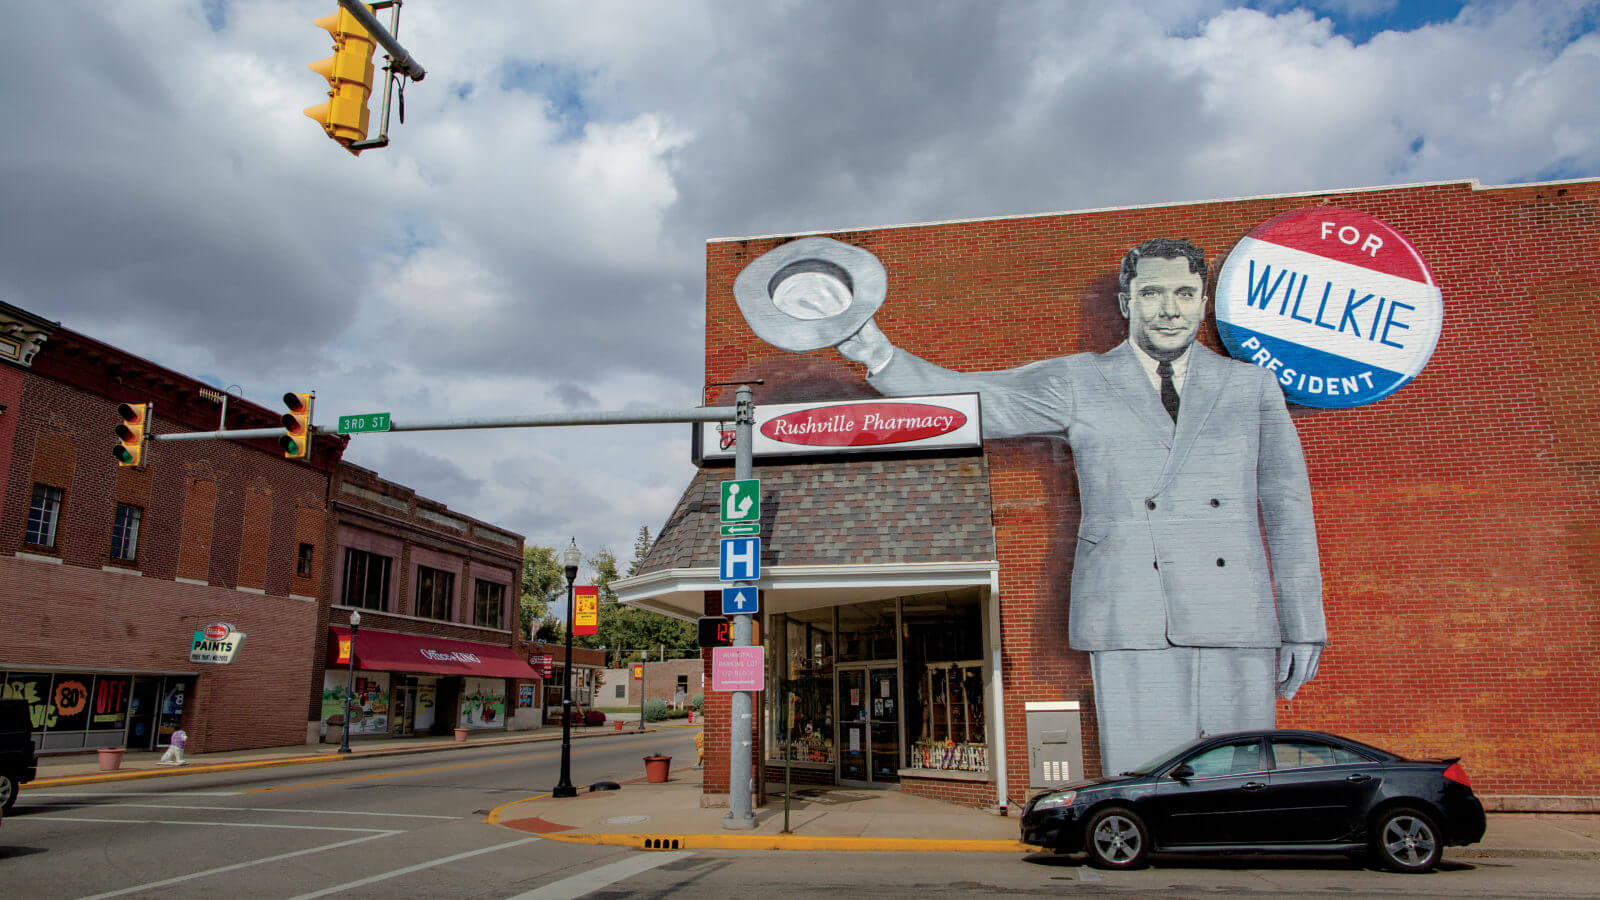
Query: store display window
<point>946,716</point>
<point>804,723</point>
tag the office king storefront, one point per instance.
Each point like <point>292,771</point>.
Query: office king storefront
<point>1366,463</point>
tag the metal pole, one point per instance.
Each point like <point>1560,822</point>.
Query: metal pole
<point>644,657</point>
<point>788,748</point>
<point>614,417</point>
<point>401,60</point>
<point>740,816</point>
<point>564,788</point>
<point>350,688</point>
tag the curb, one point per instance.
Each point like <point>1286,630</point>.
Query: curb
<point>136,774</point>
<point>789,842</point>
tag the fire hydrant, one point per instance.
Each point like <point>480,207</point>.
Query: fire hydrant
<point>699,749</point>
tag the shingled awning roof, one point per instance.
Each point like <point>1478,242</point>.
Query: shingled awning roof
<point>835,531</point>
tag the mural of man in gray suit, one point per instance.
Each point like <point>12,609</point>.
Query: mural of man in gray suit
<point>1184,459</point>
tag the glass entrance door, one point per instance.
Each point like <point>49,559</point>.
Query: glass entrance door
<point>869,725</point>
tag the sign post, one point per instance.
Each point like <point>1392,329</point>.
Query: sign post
<point>741,506</point>
<point>638,675</point>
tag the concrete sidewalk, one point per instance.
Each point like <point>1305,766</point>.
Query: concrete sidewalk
<point>669,817</point>
<point>84,768</point>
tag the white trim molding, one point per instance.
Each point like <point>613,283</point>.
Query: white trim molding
<point>680,593</point>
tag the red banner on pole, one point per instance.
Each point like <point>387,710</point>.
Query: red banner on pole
<point>586,610</point>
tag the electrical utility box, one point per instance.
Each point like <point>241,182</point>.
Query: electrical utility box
<point>1055,743</point>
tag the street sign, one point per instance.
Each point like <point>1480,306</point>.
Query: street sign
<point>737,668</point>
<point>586,609</point>
<point>741,500</point>
<point>741,529</point>
<point>740,601</point>
<point>363,422</point>
<point>739,559</point>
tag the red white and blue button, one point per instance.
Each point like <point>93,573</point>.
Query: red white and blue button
<point>1334,302</point>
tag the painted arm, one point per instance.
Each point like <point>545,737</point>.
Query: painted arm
<point>1284,489</point>
<point>1032,399</point>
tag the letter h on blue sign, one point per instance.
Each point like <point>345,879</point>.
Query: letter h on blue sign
<point>740,559</point>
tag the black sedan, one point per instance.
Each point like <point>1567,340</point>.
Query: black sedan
<point>1266,791</point>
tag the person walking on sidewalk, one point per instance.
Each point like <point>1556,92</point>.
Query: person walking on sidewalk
<point>174,754</point>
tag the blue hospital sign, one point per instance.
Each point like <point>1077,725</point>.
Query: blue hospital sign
<point>740,559</point>
<point>1334,302</point>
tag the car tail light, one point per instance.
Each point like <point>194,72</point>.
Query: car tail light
<point>1457,774</point>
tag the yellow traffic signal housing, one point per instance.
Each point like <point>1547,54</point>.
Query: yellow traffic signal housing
<point>132,433</point>
<point>296,440</point>
<point>349,74</point>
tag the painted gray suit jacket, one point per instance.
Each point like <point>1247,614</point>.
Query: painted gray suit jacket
<point>1169,547</point>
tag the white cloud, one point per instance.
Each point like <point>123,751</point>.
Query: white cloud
<point>533,238</point>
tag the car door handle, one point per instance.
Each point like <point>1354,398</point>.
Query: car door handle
<point>1358,778</point>
<point>1253,786</point>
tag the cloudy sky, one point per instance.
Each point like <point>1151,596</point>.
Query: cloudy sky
<point>533,238</point>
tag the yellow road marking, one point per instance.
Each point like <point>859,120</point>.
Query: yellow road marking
<point>792,842</point>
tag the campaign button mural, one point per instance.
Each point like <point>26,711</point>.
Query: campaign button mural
<point>1334,302</point>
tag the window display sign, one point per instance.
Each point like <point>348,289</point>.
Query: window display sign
<point>483,703</point>
<point>1335,303</point>
<point>110,709</point>
<point>218,642</point>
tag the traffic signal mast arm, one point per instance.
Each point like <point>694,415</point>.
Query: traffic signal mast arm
<point>625,417</point>
<point>399,59</point>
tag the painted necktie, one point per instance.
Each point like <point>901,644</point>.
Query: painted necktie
<point>1169,391</point>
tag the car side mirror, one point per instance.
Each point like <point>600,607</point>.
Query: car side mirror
<point>1183,772</point>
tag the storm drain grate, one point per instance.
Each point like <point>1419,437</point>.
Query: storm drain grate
<point>663,844</point>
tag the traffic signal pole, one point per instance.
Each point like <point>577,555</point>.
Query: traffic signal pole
<point>403,62</point>
<point>622,417</point>
<point>740,724</point>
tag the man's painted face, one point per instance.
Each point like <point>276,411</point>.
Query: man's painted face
<point>1164,306</point>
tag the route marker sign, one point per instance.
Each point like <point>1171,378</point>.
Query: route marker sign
<point>741,529</point>
<point>362,422</point>
<point>739,559</point>
<point>740,601</point>
<point>741,500</point>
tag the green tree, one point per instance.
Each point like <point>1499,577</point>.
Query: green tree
<point>641,546</point>
<point>624,630</point>
<point>543,585</point>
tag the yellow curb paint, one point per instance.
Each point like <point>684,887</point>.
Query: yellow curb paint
<point>792,842</point>
<point>493,818</point>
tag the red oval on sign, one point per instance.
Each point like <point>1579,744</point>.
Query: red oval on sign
<point>863,424</point>
<point>215,632</point>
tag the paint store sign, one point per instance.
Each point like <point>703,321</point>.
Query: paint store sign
<point>218,642</point>
<point>1336,303</point>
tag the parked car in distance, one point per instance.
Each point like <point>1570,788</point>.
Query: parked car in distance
<point>1264,791</point>
<point>18,763</point>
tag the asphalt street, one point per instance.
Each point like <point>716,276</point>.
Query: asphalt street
<point>413,825</point>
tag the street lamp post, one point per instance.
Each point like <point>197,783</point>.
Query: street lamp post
<point>570,558</point>
<point>350,686</point>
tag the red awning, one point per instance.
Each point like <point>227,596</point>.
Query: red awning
<point>384,651</point>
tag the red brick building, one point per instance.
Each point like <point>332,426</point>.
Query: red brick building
<point>1456,518</point>
<point>109,572</point>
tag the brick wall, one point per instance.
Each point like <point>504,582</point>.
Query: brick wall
<point>1457,518</point>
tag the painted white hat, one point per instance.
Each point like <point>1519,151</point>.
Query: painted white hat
<point>810,293</point>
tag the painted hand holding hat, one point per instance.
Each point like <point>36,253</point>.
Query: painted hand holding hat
<point>811,293</point>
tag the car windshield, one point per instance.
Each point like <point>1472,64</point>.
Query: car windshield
<point>1164,757</point>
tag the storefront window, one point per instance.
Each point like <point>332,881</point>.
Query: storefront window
<point>805,684</point>
<point>866,631</point>
<point>945,717</point>
<point>73,711</point>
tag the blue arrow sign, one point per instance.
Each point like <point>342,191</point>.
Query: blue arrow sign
<point>739,559</point>
<point>740,601</point>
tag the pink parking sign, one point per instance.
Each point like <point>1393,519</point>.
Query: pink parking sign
<point>737,668</point>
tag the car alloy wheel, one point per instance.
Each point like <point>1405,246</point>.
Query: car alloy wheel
<point>1407,841</point>
<point>1117,839</point>
<point>8,792</point>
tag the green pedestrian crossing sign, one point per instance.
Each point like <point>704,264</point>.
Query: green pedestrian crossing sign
<point>741,500</point>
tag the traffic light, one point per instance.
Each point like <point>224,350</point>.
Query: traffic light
<point>133,433</point>
<point>349,74</point>
<point>296,440</point>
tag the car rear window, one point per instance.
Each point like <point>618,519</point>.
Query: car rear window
<point>1301,754</point>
